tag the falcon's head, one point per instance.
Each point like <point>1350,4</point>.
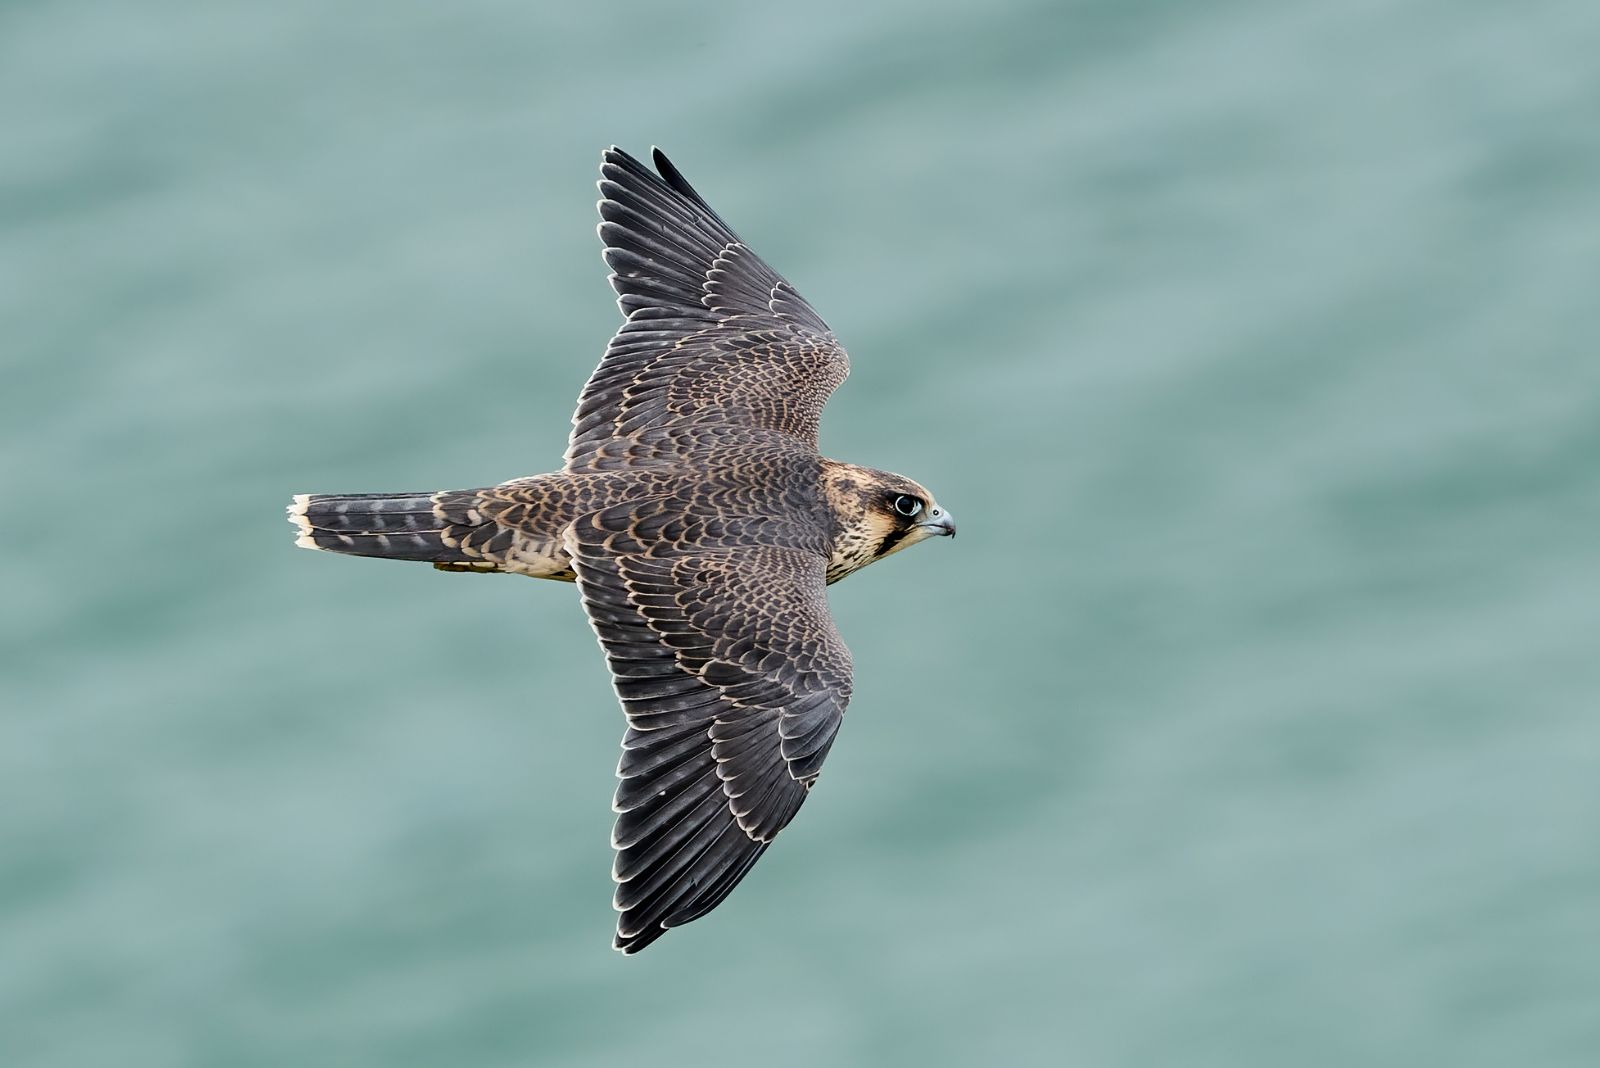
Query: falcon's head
<point>876,513</point>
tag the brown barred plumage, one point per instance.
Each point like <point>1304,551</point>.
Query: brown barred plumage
<point>701,527</point>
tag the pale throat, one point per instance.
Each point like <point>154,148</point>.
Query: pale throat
<point>853,549</point>
<point>858,546</point>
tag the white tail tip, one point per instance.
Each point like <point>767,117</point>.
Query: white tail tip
<point>297,516</point>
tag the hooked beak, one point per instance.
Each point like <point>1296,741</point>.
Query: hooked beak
<point>941,525</point>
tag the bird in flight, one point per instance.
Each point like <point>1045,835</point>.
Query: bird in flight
<point>701,526</point>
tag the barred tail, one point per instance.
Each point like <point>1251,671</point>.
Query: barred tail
<point>395,526</point>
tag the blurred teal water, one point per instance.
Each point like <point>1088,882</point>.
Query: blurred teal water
<point>1250,721</point>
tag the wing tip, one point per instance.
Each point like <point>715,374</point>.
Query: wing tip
<point>628,945</point>
<point>675,180</point>
<point>666,172</point>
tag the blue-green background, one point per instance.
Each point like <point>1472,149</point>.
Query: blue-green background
<point>1250,721</point>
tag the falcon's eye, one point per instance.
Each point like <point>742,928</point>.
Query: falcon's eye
<point>907,505</point>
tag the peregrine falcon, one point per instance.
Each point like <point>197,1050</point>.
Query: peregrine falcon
<point>701,526</point>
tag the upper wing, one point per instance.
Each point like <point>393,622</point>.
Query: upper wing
<point>713,338</point>
<point>733,679</point>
